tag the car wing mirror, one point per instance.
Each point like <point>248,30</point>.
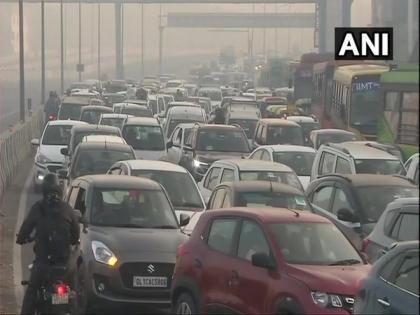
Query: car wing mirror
<point>35,142</point>
<point>64,151</point>
<point>262,260</point>
<point>169,144</point>
<point>62,173</point>
<point>184,219</point>
<point>347,215</point>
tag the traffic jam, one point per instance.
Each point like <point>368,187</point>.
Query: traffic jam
<point>212,195</point>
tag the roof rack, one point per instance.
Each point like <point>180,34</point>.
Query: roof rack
<point>335,146</point>
<point>335,174</point>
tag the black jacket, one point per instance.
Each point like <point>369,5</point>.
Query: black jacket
<point>40,219</point>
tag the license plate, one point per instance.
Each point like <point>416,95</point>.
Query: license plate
<point>150,282</point>
<point>60,299</point>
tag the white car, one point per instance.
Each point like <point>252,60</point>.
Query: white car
<point>177,181</point>
<point>48,158</point>
<point>298,158</point>
<point>412,167</point>
<point>145,135</point>
<point>103,138</point>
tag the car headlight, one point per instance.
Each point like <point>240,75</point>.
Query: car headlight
<point>103,254</point>
<point>323,299</point>
<point>197,163</point>
<point>42,159</point>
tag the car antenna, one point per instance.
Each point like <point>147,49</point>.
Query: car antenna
<point>294,211</point>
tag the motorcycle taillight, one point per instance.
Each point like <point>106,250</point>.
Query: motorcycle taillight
<point>51,117</point>
<point>61,289</point>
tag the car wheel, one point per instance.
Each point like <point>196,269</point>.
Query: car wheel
<point>185,305</point>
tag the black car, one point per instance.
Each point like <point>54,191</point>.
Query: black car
<point>355,202</point>
<point>392,286</point>
<point>208,143</point>
<point>129,239</point>
<point>257,194</point>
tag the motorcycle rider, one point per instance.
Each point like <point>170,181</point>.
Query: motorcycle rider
<point>56,229</point>
<point>51,106</point>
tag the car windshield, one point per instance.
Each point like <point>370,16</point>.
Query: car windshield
<point>70,111</point>
<point>176,184</point>
<point>378,166</point>
<point>115,122</point>
<point>374,199</point>
<point>137,112</point>
<point>144,137</point>
<point>300,162</point>
<point>132,208</point>
<point>57,135</point>
<point>222,140</point>
<point>314,244</point>
<point>248,125</point>
<point>91,162</point>
<point>173,84</point>
<point>91,116</point>
<point>334,138</point>
<point>271,199</point>
<point>284,135</point>
<point>175,122</point>
<point>214,95</point>
<point>288,178</point>
<point>307,127</point>
<point>80,135</point>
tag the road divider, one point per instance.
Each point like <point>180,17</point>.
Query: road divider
<point>15,146</point>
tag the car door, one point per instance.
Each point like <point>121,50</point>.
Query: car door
<point>249,284</point>
<point>398,289</point>
<point>217,264</point>
<point>174,152</point>
<point>321,198</point>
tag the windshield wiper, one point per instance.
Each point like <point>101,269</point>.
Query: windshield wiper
<point>345,262</point>
<point>164,227</point>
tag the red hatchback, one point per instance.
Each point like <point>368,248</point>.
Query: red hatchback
<point>260,261</point>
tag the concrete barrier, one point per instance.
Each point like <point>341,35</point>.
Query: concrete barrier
<point>15,145</point>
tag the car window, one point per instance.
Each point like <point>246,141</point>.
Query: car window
<point>327,163</point>
<point>115,171</point>
<point>228,175</point>
<point>143,137</point>
<point>221,235</point>
<point>73,195</point>
<point>322,197</point>
<point>342,166</point>
<point>256,155</point>
<point>265,156</point>
<point>408,163</point>
<point>407,276</point>
<point>226,201</point>
<point>218,198</point>
<point>406,228</point>
<point>176,137</point>
<point>416,175</point>
<point>81,201</point>
<point>340,201</point>
<point>212,178</point>
<point>251,240</point>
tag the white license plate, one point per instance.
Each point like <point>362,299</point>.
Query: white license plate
<point>150,282</point>
<point>59,299</point>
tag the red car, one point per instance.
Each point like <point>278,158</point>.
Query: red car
<point>260,261</point>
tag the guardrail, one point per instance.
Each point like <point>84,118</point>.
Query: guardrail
<point>15,145</point>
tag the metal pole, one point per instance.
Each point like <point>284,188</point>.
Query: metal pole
<point>80,40</point>
<point>99,41</point>
<point>160,39</point>
<point>142,38</point>
<point>264,33</point>
<point>122,36</point>
<point>61,49</point>
<point>42,52</point>
<point>276,39</point>
<point>21,64</point>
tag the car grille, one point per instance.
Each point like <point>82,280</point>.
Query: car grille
<point>348,303</point>
<point>129,270</point>
<point>54,168</point>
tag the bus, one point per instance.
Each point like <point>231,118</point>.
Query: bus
<point>399,123</point>
<point>355,99</point>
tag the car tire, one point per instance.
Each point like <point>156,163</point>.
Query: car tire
<point>185,305</point>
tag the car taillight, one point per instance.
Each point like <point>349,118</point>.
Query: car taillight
<point>365,244</point>
<point>51,117</point>
<point>61,289</point>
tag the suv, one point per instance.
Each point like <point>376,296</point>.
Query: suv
<point>260,261</point>
<point>321,136</point>
<point>277,131</point>
<point>355,157</point>
<point>208,143</point>
<point>355,202</point>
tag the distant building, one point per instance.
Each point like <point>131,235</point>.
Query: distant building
<point>403,16</point>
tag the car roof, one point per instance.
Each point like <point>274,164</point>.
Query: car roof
<point>185,104</point>
<point>287,148</point>
<point>255,165</point>
<point>154,165</point>
<point>147,121</point>
<point>360,180</point>
<point>270,215</point>
<point>74,100</point>
<point>302,119</point>
<point>104,145</point>
<point>118,181</point>
<point>96,107</point>
<point>243,115</point>
<point>103,138</point>
<point>362,151</point>
<point>401,202</point>
<point>131,105</point>
<point>261,186</point>
<point>115,115</point>
<point>215,126</point>
<point>66,122</point>
<point>279,122</point>
<point>329,131</point>
<point>89,127</point>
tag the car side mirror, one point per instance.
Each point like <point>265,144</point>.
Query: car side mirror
<point>184,219</point>
<point>187,148</point>
<point>35,142</point>
<point>64,151</point>
<point>169,144</point>
<point>347,215</point>
<point>62,173</point>
<point>262,260</point>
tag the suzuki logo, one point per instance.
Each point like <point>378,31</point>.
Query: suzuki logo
<point>151,268</point>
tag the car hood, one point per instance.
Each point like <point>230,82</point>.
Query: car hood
<point>343,280</point>
<point>149,155</point>
<point>52,152</point>
<point>210,157</point>
<point>130,240</point>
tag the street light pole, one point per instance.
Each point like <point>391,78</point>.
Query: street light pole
<point>142,38</point>
<point>99,41</point>
<point>160,39</point>
<point>61,49</point>
<point>264,35</point>
<point>21,64</point>
<point>80,41</point>
<point>42,52</point>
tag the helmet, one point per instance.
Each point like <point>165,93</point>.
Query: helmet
<point>51,185</point>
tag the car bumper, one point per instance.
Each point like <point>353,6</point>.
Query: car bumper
<point>43,169</point>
